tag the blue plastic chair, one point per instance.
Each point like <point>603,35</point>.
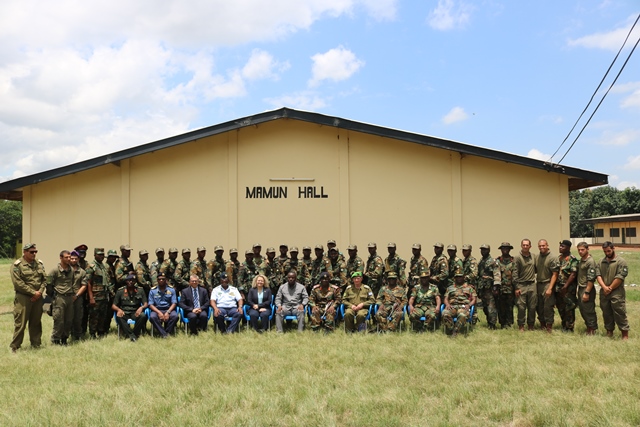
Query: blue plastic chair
<point>130,322</point>
<point>424,318</point>
<point>247,318</point>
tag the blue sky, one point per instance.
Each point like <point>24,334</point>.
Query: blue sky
<point>78,81</point>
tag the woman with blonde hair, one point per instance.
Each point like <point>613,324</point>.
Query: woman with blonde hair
<point>259,300</point>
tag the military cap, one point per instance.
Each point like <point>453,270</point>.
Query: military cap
<point>81,247</point>
<point>334,249</point>
<point>186,251</point>
<point>566,242</point>
<point>248,252</point>
<point>28,246</point>
<point>143,252</point>
<point>201,248</point>
<point>257,245</point>
<point>485,246</point>
<point>391,245</point>
<point>111,252</point>
<point>284,246</point>
<point>162,274</point>
<point>459,272</point>
<point>306,248</point>
<point>466,247</point>
<point>356,274</point>
<point>158,250</point>
<point>125,247</point>
<point>173,250</point>
<point>233,251</point>
<point>331,242</point>
<point>130,277</point>
<point>218,248</point>
<point>293,249</point>
<point>320,247</point>
<point>416,246</point>
<point>505,245</point>
<point>452,248</point>
<point>74,253</point>
<point>372,245</point>
<point>352,247</point>
<point>98,251</point>
<point>223,275</point>
<point>425,273</point>
<point>271,250</point>
<point>438,245</point>
<point>392,275</point>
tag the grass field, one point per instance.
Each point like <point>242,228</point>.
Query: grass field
<point>489,378</point>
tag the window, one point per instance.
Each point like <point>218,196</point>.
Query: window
<point>614,232</point>
<point>599,232</point>
<point>631,232</point>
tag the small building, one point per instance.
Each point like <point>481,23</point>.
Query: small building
<point>298,178</point>
<point>618,229</point>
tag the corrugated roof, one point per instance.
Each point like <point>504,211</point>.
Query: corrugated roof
<point>612,218</point>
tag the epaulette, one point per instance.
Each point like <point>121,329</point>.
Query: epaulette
<point>40,262</point>
<point>154,287</point>
<point>349,287</point>
<point>334,286</point>
<point>17,262</point>
<point>365,286</point>
<point>316,286</point>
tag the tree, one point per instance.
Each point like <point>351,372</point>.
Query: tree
<point>10,227</point>
<point>597,202</point>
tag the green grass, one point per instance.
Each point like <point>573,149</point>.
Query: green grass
<point>490,378</point>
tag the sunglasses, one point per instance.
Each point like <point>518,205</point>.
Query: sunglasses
<point>33,252</point>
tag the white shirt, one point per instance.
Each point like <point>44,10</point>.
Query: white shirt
<point>226,298</point>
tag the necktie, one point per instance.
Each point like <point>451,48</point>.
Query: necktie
<point>196,300</point>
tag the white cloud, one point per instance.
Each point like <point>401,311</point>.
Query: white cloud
<point>627,184</point>
<point>538,155</point>
<point>632,163</point>
<point>610,40</point>
<point>336,64</point>
<point>552,119</point>
<point>382,10</point>
<point>457,114</point>
<point>449,15</point>
<point>305,100</point>
<point>620,138</point>
<point>261,65</point>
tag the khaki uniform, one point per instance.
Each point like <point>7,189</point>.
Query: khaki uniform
<point>351,297</point>
<point>545,266</point>
<point>28,278</point>
<point>614,310</point>
<point>587,273</point>
<point>60,285</point>
<point>524,280</point>
<point>79,280</point>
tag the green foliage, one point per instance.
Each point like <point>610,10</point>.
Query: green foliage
<point>10,227</point>
<point>597,202</point>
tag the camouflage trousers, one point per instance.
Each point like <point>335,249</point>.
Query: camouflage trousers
<point>527,304</point>
<point>62,317</point>
<point>489,305</point>
<point>505,309</point>
<point>459,312</point>
<point>588,309</point>
<point>98,315</point>
<point>614,309</point>
<point>567,307</point>
<point>429,313</point>
<point>317,321</point>
<point>386,324</point>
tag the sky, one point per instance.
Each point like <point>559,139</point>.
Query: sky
<point>81,79</point>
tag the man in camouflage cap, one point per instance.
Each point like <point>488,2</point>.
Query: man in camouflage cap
<point>324,301</point>
<point>565,286</point>
<point>183,271</point>
<point>143,271</point>
<point>417,265</point>
<point>272,269</point>
<point>391,301</point>
<point>337,269</point>
<point>293,263</point>
<point>396,264</point>
<point>458,300</point>
<point>354,262</point>
<point>199,268</point>
<point>156,265</point>
<point>247,271</point>
<point>318,265</point>
<point>169,266</point>
<point>506,294</point>
<point>488,285</point>
<point>216,266</point>
<point>439,268</point>
<point>99,289</point>
<point>257,256</point>
<point>123,266</point>
<point>374,269</point>
<point>232,267</point>
<point>454,263</point>
<point>425,302</point>
<point>283,257</point>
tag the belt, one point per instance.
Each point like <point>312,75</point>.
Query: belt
<point>70,294</point>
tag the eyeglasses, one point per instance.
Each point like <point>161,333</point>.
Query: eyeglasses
<point>33,252</point>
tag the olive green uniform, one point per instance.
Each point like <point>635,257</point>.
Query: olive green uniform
<point>129,303</point>
<point>103,291</point>
<point>373,273</point>
<point>614,310</point>
<point>424,305</point>
<point>354,297</point>
<point>320,301</point>
<point>60,285</point>
<point>587,273</point>
<point>545,266</point>
<point>391,304</point>
<point>524,280</point>
<point>505,294</point>
<point>28,278</point>
<point>79,280</point>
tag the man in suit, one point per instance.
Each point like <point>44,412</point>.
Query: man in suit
<point>194,302</point>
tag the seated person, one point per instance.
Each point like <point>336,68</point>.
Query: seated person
<point>458,300</point>
<point>162,303</point>
<point>259,300</point>
<point>324,301</point>
<point>391,301</point>
<point>129,304</point>
<point>226,302</point>
<point>357,299</point>
<point>425,302</point>
<point>194,302</point>
<point>291,299</point>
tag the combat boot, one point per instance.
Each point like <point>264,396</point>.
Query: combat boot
<point>549,327</point>
<point>625,335</point>
<point>521,328</point>
<point>609,334</point>
<point>591,331</point>
<point>531,328</point>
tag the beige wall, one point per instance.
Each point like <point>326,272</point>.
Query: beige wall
<point>378,190</point>
<point>621,226</point>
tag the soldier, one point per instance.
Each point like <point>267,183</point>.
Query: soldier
<point>247,271</point>
<point>112,261</point>
<point>545,273</point>
<point>319,264</point>
<point>60,287</point>
<point>524,280</point>
<point>374,269</point>
<point>354,263</point>
<point>306,260</point>
<point>586,291</point>
<point>162,304</point>
<point>282,258</point>
<point>293,263</point>
<point>417,265</point>
<point>232,267</point>
<point>156,266</point>
<point>396,264</point>
<point>470,270</point>
<point>183,271</point>
<point>169,266</point>
<point>425,302</point>
<point>357,299</point>
<point>565,286</point>
<point>272,269</point>
<point>439,269</point>
<point>82,262</point>
<point>324,301</point>
<point>391,301</point>
<point>143,272</point>
<point>79,290</point>
<point>257,257</point>
<point>454,263</point>
<point>337,270</point>
<point>123,267</point>
<point>610,275</point>
<point>488,285</point>
<point>506,294</point>
<point>458,300</point>
<point>29,282</point>
<point>99,288</point>
<point>129,304</point>
<point>216,266</point>
<point>332,244</point>
<point>199,268</point>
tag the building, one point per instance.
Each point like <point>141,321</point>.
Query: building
<point>618,229</point>
<point>300,178</point>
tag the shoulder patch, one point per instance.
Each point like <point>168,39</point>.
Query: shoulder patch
<point>17,262</point>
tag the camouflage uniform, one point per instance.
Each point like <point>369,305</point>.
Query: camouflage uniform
<point>459,298</point>
<point>566,266</point>
<point>390,303</point>
<point>232,268</point>
<point>506,292</point>
<point>454,264</point>
<point>373,273</point>
<point>273,271</point>
<point>129,302</point>
<point>100,289</point>
<point>246,273</point>
<point>318,265</point>
<point>143,275</point>
<point>397,265</point>
<point>354,264</point>
<point>425,305</point>
<point>28,278</point>
<point>302,272</point>
<point>416,266</point>
<point>614,310</point>
<point>319,300</point>
<point>181,275</point>
<point>199,268</point>
<point>470,270</point>
<point>156,265</point>
<point>338,272</point>
<point>79,280</point>
<point>215,266</point>
<point>60,286</point>
<point>439,269</point>
<point>123,267</point>
<point>168,267</point>
<point>113,285</point>
<point>488,285</point>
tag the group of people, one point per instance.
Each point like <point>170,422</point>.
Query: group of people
<point>86,294</point>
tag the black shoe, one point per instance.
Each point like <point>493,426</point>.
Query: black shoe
<point>133,339</point>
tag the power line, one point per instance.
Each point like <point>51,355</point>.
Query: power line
<point>595,92</point>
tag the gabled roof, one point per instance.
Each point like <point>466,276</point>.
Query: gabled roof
<point>578,178</point>
<point>612,218</point>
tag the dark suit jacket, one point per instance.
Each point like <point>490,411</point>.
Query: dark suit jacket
<point>186,299</point>
<point>252,298</point>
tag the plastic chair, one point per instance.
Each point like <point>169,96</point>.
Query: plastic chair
<point>424,318</point>
<point>469,322</point>
<point>130,322</point>
<point>247,318</point>
<point>147,312</point>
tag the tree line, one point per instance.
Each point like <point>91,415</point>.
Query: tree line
<point>597,202</point>
<point>10,227</point>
